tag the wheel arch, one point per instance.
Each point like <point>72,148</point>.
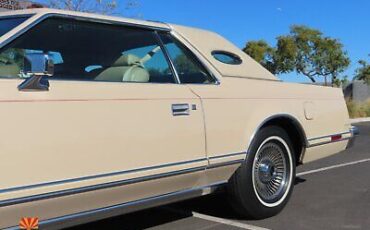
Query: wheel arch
<point>294,129</point>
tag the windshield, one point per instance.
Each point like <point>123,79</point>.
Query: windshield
<point>6,24</point>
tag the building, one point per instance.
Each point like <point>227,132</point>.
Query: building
<point>6,5</point>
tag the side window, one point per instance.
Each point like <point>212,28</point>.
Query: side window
<point>6,24</point>
<point>155,63</point>
<point>90,51</point>
<point>188,67</point>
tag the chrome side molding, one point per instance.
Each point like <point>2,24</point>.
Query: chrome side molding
<point>90,188</point>
<point>124,208</point>
<point>354,131</point>
<point>328,139</point>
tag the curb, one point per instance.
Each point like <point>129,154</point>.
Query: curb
<point>361,119</point>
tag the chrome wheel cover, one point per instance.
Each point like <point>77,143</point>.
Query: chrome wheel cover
<point>272,171</point>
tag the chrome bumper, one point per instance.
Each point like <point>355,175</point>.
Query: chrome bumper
<point>354,133</point>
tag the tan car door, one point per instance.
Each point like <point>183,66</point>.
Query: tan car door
<point>97,143</point>
<point>93,129</point>
<point>222,117</point>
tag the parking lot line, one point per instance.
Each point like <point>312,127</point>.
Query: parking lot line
<point>333,167</point>
<point>216,219</point>
<point>227,222</point>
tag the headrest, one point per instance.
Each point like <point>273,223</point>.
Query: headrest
<point>127,60</point>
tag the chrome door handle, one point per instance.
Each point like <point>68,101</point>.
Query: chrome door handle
<point>180,109</point>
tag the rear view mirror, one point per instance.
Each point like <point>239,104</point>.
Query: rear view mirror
<point>38,66</point>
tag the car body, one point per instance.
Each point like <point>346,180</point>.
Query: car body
<point>101,142</point>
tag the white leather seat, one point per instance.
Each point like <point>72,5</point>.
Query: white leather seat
<point>127,68</point>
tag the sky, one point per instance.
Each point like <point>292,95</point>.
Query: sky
<point>243,20</point>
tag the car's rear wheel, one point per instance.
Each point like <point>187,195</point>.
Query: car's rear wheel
<point>262,186</point>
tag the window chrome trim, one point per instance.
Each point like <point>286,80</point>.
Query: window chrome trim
<point>74,17</point>
<point>168,58</point>
<point>237,60</point>
<point>128,207</point>
<point>28,16</point>
<point>22,31</point>
<point>106,21</point>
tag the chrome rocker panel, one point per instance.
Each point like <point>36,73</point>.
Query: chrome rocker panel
<point>124,208</point>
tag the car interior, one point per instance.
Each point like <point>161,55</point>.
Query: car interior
<point>87,51</point>
<point>114,49</point>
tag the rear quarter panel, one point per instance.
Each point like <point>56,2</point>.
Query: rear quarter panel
<point>238,106</point>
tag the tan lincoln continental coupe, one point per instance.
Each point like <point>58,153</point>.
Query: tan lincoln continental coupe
<point>102,116</point>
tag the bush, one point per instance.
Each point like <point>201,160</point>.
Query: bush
<point>358,109</point>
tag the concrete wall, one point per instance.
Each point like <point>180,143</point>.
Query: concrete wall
<point>358,91</point>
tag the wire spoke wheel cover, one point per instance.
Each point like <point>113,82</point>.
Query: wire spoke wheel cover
<point>272,171</point>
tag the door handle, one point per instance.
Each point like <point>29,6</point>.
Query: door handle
<point>180,109</point>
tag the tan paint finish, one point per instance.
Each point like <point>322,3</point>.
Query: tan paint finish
<point>318,152</point>
<point>52,208</point>
<point>81,129</point>
<point>107,127</point>
<point>236,108</point>
<point>249,68</point>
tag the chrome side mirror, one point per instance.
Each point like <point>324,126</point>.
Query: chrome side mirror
<point>37,67</point>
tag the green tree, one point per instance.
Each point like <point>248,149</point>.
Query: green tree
<point>304,50</point>
<point>339,82</point>
<point>286,54</point>
<point>12,56</point>
<point>183,65</point>
<point>263,53</point>
<point>312,54</point>
<point>363,72</point>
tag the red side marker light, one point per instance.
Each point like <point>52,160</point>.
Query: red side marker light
<point>336,137</point>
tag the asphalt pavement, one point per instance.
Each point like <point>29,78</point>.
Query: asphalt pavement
<point>332,193</point>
